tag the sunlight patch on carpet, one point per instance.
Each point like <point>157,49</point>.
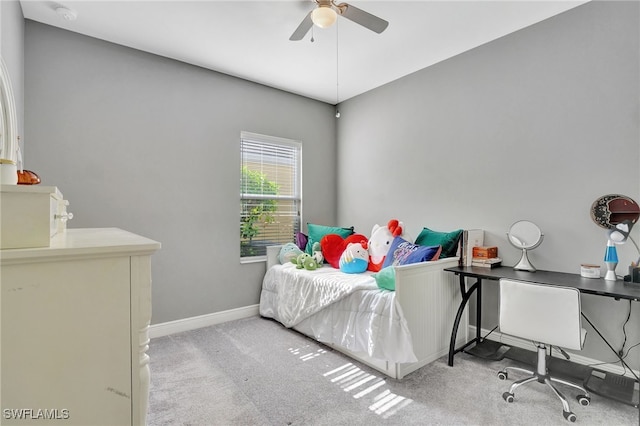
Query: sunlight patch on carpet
<point>370,389</point>
<point>309,355</point>
<point>329,373</point>
<point>351,378</point>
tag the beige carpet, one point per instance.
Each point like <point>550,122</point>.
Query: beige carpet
<point>256,372</point>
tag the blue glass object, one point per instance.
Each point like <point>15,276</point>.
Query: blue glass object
<point>611,254</point>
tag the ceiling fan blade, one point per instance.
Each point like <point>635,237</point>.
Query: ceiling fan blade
<point>363,18</point>
<point>302,29</point>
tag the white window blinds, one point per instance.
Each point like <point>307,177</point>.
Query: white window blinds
<point>269,192</point>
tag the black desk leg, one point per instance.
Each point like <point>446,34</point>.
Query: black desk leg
<point>479,311</point>
<point>465,298</point>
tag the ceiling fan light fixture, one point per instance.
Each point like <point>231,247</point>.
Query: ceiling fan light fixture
<point>324,16</point>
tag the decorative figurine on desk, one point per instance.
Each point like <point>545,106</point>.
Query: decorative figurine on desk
<point>617,235</point>
<point>618,214</point>
<point>525,235</point>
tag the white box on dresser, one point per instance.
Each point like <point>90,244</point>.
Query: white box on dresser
<point>74,321</point>
<point>31,215</point>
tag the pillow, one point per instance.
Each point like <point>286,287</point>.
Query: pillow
<point>402,252</point>
<point>288,252</point>
<point>386,278</point>
<point>316,232</point>
<point>380,242</point>
<point>448,241</point>
<point>333,245</point>
<point>301,240</point>
<point>354,258</point>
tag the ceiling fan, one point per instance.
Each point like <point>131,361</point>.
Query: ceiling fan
<point>327,12</point>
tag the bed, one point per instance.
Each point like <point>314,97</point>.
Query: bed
<point>395,332</point>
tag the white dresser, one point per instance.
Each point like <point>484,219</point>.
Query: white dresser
<point>74,321</point>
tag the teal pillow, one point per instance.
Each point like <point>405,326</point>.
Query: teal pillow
<point>316,232</point>
<point>386,278</point>
<point>448,241</point>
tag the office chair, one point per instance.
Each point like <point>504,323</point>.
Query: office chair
<point>550,316</point>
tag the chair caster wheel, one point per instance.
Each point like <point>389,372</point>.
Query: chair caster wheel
<point>569,416</point>
<point>507,396</point>
<point>503,375</point>
<point>583,400</point>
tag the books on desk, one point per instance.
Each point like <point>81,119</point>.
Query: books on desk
<point>492,262</point>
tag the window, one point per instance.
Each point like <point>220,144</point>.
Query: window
<point>270,196</point>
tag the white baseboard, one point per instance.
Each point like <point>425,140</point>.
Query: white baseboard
<point>526,344</point>
<point>186,324</point>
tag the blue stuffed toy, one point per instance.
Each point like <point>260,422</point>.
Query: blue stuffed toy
<point>354,259</point>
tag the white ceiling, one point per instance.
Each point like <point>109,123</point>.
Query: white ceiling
<point>250,39</point>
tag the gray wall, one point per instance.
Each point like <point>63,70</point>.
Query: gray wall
<point>535,125</point>
<point>151,145</point>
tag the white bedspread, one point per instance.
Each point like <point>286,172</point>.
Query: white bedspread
<point>302,293</point>
<point>337,308</point>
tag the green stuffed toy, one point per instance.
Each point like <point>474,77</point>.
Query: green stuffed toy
<point>317,254</point>
<point>310,262</point>
<point>305,261</point>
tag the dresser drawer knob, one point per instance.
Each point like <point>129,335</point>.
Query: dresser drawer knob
<point>64,216</point>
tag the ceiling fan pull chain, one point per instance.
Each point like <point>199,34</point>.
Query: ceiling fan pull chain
<point>337,72</point>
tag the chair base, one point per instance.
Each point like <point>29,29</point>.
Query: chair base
<point>542,376</point>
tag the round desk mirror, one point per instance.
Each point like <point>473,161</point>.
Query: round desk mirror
<point>525,236</point>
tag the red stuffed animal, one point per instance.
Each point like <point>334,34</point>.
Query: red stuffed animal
<point>333,245</point>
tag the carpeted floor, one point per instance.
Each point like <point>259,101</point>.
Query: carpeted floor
<point>256,372</point>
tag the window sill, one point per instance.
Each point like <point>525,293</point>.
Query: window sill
<point>254,259</point>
